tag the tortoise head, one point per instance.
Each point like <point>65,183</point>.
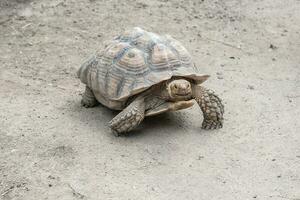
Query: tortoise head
<point>179,89</point>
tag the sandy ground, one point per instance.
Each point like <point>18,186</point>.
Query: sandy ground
<point>52,148</point>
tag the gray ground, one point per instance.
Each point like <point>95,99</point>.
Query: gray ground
<point>52,148</point>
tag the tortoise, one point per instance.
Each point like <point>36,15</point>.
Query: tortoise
<point>143,74</point>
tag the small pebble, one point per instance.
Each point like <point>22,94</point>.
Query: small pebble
<point>272,46</point>
<point>51,177</point>
<point>200,157</point>
<point>250,87</point>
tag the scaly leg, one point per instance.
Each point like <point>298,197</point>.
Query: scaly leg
<point>211,106</point>
<point>88,99</point>
<point>129,118</point>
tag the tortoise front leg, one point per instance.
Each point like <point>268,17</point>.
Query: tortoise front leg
<point>129,118</point>
<point>211,106</point>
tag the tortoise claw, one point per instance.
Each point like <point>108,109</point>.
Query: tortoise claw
<point>116,134</point>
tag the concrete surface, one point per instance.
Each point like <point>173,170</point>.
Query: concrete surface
<point>52,148</point>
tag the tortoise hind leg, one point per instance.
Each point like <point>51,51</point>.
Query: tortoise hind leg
<point>129,118</point>
<point>211,106</point>
<point>88,99</point>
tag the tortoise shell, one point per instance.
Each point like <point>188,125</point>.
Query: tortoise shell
<point>135,61</point>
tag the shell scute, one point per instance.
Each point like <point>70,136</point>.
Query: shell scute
<point>163,58</point>
<point>132,62</point>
